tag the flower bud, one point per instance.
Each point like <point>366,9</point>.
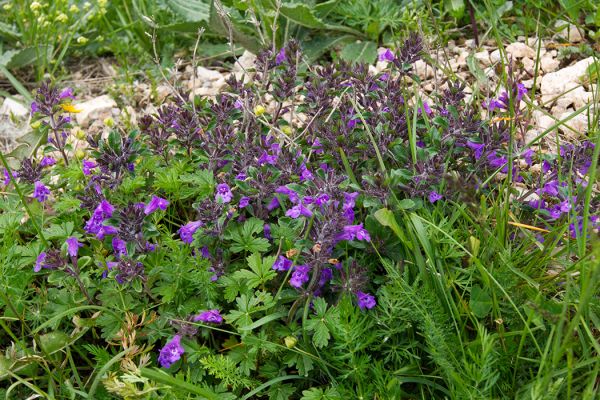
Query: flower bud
<point>290,341</point>
<point>35,6</point>
<point>259,110</point>
<point>109,122</point>
<point>36,124</point>
<point>82,40</point>
<point>287,130</point>
<point>79,154</point>
<point>80,134</point>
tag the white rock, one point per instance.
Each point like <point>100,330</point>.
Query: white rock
<point>461,60</point>
<point>244,64</point>
<point>575,127</point>
<point>549,63</point>
<point>495,56</point>
<point>528,64</point>
<point>568,31</point>
<point>556,83</point>
<point>12,107</point>
<point>423,70</point>
<point>483,57</point>
<point>97,108</point>
<point>520,50</point>
<point>204,74</point>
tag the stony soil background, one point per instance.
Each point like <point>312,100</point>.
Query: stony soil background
<point>557,85</point>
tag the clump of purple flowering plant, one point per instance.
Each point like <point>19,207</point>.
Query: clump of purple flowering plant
<point>240,220</point>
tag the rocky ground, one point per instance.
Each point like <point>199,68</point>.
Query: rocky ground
<point>557,83</point>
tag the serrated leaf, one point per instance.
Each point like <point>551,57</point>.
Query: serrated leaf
<point>302,14</point>
<point>191,10</point>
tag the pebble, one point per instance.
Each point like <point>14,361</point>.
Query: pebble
<point>520,50</point>
<point>95,109</point>
<point>12,107</point>
<point>568,31</point>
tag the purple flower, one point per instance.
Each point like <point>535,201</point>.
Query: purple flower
<point>241,176</point>
<point>306,175</point>
<point>551,188</point>
<point>7,177</point>
<point>156,203</point>
<point>348,205</point>
<point>105,209</point>
<point>322,199</point>
<point>209,317</point>
<point>120,246</point>
<point>266,158</point>
<point>66,93</point>
<point>273,204</point>
<point>292,195</point>
<point>299,276</point>
<point>521,91</point>
<point>434,196</point>
<point>88,166</point>
<point>425,108</point>
<point>497,162</point>
<point>47,162</point>
<point>267,229</point>
<point>39,262</point>
<point>280,56</point>
<point>244,202</point>
<point>527,154</point>
<point>238,104</point>
<point>477,149</point>
<point>352,232</point>
<point>297,211</point>
<point>223,193</point>
<point>546,166</point>
<point>73,246</point>
<point>386,55</point>
<point>34,108</point>
<point>171,353</point>
<point>365,300</point>
<point>186,232</point>
<point>282,264</point>
<point>105,230</point>
<point>40,191</point>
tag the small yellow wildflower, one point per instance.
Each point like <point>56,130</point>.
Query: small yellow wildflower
<point>290,341</point>
<point>87,5</point>
<point>82,40</point>
<point>79,133</point>
<point>109,122</point>
<point>36,124</point>
<point>62,17</point>
<point>74,9</point>
<point>102,3</point>
<point>7,7</point>
<point>70,108</point>
<point>287,130</point>
<point>35,6</point>
<point>79,154</point>
<point>259,110</point>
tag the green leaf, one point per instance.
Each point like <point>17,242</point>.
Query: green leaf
<point>301,14</point>
<point>319,394</point>
<point>53,341</point>
<point>261,271</point>
<point>406,204</point>
<point>241,33</point>
<point>244,239</point>
<point>162,377</point>
<point>9,31</point>
<point>480,302</point>
<point>190,10</point>
<point>456,8</point>
<point>386,218</point>
<point>360,52</point>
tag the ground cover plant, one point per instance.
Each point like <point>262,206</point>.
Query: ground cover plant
<point>315,233</point>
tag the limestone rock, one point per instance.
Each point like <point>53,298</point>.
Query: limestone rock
<point>549,63</point>
<point>13,107</point>
<point>568,31</point>
<point>94,109</point>
<point>556,83</point>
<point>483,57</point>
<point>520,50</point>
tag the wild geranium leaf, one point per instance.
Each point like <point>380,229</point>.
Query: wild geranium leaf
<point>320,321</point>
<point>243,237</point>
<point>303,364</point>
<point>320,394</point>
<point>260,270</point>
<point>281,392</point>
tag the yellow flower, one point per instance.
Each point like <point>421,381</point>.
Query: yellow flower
<point>109,122</point>
<point>74,9</point>
<point>70,108</point>
<point>286,129</point>
<point>36,124</point>
<point>62,17</point>
<point>35,6</point>
<point>7,7</point>
<point>259,110</point>
<point>102,3</point>
<point>290,341</point>
<point>82,40</point>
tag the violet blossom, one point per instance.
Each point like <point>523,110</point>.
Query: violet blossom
<point>386,55</point>
<point>39,262</point>
<point>156,203</point>
<point>171,353</point>
<point>434,196</point>
<point>365,300</point>
<point>40,191</point>
<point>209,317</point>
<point>297,211</point>
<point>186,232</point>
<point>73,246</point>
<point>47,162</point>
<point>299,276</point>
<point>223,193</point>
<point>352,232</point>
<point>88,166</point>
<point>282,264</point>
